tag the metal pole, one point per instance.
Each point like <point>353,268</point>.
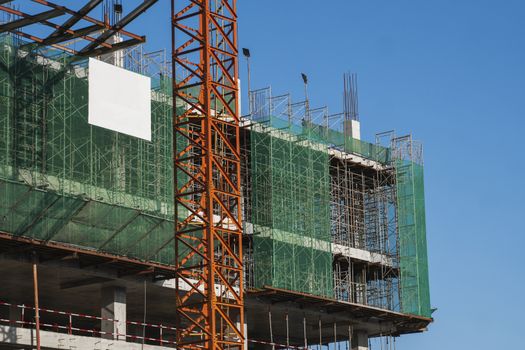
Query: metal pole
<point>271,328</point>
<point>320,335</point>
<point>304,332</point>
<point>349,337</point>
<point>307,103</point>
<point>37,313</point>
<point>287,332</point>
<point>305,81</point>
<point>144,316</point>
<point>335,336</point>
<point>306,93</point>
<point>249,86</point>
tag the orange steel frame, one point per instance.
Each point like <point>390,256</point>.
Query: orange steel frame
<point>208,234</point>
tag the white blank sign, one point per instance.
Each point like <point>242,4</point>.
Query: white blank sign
<point>119,100</point>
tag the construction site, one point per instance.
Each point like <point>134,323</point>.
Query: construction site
<point>140,209</point>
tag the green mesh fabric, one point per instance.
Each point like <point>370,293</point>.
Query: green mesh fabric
<point>415,293</point>
<point>363,148</point>
<point>67,181</point>
<point>290,201</point>
<point>330,137</point>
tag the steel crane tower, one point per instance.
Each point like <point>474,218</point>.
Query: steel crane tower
<point>208,233</point>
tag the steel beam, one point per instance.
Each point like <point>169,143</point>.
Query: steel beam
<point>114,47</point>
<point>77,34</point>
<point>119,25</point>
<point>74,19</point>
<point>64,33</point>
<point>30,19</point>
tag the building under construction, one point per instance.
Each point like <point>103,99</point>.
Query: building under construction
<point>140,210</point>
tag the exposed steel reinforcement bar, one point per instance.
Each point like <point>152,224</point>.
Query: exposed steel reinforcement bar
<point>208,247</point>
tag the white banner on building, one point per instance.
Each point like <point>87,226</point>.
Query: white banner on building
<point>119,100</point>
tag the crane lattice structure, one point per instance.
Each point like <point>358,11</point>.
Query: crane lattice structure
<point>208,245</point>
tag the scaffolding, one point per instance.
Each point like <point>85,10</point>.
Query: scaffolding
<point>415,290</point>
<point>363,216</point>
<point>70,182</point>
<point>290,192</point>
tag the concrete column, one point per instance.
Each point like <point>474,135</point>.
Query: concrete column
<point>113,306</point>
<point>245,331</point>
<point>360,340</point>
<point>246,335</point>
<point>352,128</point>
<point>15,315</point>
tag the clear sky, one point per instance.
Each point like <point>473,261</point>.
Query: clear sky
<point>452,73</point>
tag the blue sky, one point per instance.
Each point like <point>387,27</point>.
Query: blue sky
<point>453,74</point>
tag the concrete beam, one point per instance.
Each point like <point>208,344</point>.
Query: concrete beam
<point>84,282</point>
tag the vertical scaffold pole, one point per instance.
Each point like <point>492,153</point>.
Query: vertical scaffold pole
<point>37,307</point>
<point>207,196</point>
<point>335,336</point>
<point>320,334</point>
<point>304,333</point>
<point>287,332</point>
<point>271,327</point>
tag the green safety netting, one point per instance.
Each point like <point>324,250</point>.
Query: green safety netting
<point>366,149</point>
<point>330,137</point>
<point>413,260</point>
<point>290,212</point>
<point>67,181</point>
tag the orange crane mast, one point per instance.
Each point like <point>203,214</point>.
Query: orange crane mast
<point>208,233</point>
